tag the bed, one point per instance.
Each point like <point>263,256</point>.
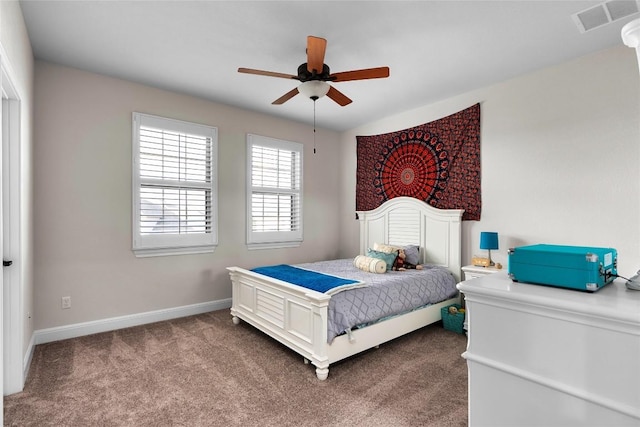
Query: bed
<point>298,317</point>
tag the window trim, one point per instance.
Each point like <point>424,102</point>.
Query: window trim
<point>277,239</point>
<point>172,244</point>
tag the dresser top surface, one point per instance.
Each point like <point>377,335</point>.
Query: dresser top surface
<point>613,300</point>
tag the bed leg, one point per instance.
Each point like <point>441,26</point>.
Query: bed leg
<point>235,320</point>
<point>322,373</point>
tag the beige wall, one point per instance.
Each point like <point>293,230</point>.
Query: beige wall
<point>15,44</point>
<point>83,199</point>
<point>560,153</point>
<point>559,165</point>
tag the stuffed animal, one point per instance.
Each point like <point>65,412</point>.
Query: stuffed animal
<point>401,265</point>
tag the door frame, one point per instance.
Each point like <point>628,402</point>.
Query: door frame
<point>12,329</point>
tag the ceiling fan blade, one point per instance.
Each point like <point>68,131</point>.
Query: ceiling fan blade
<point>338,96</point>
<point>287,96</point>
<point>316,48</point>
<point>267,73</point>
<point>369,73</point>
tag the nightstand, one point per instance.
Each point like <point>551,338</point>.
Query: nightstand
<point>472,272</point>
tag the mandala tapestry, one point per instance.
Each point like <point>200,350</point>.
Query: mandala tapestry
<point>437,162</point>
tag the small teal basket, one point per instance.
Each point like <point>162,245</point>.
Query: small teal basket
<point>453,322</point>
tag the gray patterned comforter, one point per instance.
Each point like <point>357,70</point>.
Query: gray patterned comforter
<point>393,292</point>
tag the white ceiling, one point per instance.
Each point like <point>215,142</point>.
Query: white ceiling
<point>435,49</point>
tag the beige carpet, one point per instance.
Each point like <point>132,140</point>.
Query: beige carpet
<point>205,371</point>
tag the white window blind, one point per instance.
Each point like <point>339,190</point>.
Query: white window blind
<point>275,196</point>
<point>174,195</point>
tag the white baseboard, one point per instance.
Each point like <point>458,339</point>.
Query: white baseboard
<point>104,325</point>
<point>26,364</point>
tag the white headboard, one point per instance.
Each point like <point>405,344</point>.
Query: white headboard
<point>407,221</point>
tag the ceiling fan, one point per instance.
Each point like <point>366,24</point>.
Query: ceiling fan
<point>314,75</point>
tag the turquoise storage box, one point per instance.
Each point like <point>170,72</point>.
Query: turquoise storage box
<point>574,267</point>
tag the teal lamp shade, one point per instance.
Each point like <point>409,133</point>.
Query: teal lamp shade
<point>488,241</point>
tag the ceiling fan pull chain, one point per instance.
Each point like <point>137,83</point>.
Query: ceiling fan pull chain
<point>314,126</point>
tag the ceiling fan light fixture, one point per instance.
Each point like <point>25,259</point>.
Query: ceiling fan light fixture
<point>314,89</point>
<point>631,36</point>
<point>313,82</point>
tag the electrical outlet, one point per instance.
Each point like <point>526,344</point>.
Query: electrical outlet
<point>66,302</point>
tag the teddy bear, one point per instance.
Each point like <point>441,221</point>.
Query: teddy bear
<point>400,264</point>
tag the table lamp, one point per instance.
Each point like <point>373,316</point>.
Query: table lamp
<point>489,240</point>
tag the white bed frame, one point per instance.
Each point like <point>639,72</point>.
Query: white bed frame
<point>297,317</point>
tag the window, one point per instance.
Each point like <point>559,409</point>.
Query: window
<point>274,191</point>
<point>174,186</point>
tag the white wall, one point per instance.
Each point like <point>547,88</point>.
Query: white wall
<point>83,199</point>
<point>560,153</point>
<point>15,44</point>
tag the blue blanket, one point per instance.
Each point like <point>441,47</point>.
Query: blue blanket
<point>306,278</point>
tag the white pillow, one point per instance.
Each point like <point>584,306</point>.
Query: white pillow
<point>369,264</point>
<point>387,249</point>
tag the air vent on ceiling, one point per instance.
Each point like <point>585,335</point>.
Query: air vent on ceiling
<point>604,13</point>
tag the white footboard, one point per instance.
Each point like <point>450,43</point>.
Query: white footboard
<point>295,316</point>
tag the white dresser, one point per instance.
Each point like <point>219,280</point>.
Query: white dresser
<point>544,356</point>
